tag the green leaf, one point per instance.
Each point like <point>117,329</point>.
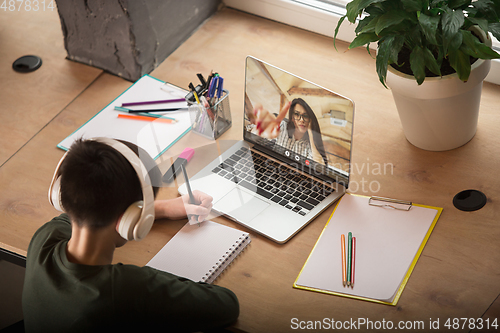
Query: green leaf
<point>389,19</point>
<point>356,7</point>
<point>435,11</point>
<point>497,7</point>
<point>363,23</point>
<point>381,63</point>
<point>475,48</point>
<point>429,25</point>
<point>396,46</point>
<point>451,23</point>
<point>337,31</point>
<point>455,42</point>
<point>413,37</point>
<point>430,62</point>
<point>454,4</point>
<point>417,64</point>
<point>399,29</point>
<point>494,28</point>
<point>460,63</point>
<point>485,9</point>
<point>388,50</point>
<point>481,22</point>
<point>363,39</point>
<point>374,10</point>
<point>412,5</point>
<point>370,27</point>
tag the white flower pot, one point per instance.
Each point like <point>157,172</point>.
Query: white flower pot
<point>441,113</point>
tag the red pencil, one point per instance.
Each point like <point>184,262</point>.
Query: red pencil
<point>353,260</point>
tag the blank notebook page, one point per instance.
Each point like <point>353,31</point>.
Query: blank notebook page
<point>200,253</point>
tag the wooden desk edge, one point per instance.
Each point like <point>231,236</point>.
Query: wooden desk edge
<point>12,254</point>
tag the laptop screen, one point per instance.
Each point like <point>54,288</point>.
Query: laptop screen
<point>301,123</point>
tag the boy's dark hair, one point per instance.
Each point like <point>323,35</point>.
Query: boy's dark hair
<point>98,183</point>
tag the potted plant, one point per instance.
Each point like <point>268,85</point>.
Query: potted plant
<point>434,55</point>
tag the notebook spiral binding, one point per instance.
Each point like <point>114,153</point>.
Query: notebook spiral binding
<point>226,259</point>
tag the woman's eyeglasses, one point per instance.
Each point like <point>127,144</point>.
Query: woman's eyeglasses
<point>304,116</point>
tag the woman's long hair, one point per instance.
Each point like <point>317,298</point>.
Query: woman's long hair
<point>318,141</point>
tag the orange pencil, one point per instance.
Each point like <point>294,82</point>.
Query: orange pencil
<point>146,118</point>
<point>353,260</point>
<point>342,241</point>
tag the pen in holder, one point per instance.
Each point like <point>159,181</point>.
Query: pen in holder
<point>210,118</point>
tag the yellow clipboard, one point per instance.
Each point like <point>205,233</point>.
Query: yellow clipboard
<point>396,225</point>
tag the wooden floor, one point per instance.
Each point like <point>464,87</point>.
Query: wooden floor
<point>458,274</point>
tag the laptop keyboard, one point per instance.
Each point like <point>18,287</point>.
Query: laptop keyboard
<point>273,181</point>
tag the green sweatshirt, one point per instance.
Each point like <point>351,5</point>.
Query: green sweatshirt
<point>60,296</point>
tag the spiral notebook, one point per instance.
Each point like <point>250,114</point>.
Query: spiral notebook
<point>201,253</point>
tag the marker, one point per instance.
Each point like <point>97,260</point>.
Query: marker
<point>191,86</point>
<point>220,87</point>
<point>202,80</point>
<point>191,197</point>
<point>147,118</point>
<point>175,168</point>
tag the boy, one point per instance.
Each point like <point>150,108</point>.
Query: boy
<point>71,284</point>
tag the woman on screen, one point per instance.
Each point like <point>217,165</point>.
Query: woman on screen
<point>299,133</point>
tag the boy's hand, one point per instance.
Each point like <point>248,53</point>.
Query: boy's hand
<point>201,208</point>
<point>179,208</point>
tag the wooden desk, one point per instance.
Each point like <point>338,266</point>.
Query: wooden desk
<point>457,274</point>
<point>30,101</point>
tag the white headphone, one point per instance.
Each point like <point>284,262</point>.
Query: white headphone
<point>138,219</point>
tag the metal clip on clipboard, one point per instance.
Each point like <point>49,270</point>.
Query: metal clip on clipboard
<point>390,203</point>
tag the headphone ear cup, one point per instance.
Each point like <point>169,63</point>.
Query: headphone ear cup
<point>129,219</point>
<point>143,227</point>
<point>55,195</point>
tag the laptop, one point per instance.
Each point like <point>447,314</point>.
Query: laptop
<point>276,185</point>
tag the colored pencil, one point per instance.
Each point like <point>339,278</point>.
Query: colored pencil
<point>349,258</point>
<point>118,108</point>
<point>147,118</point>
<point>353,260</point>
<point>342,241</point>
<point>154,102</point>
<point>152,115</point>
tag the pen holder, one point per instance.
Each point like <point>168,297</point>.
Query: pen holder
<point>211,122</point>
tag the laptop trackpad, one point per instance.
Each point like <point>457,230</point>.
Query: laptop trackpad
<point>240,205</point>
